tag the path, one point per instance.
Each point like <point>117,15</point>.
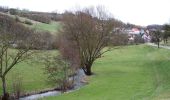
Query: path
<point>161,46</point>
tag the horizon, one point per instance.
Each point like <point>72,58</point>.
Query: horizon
<point>138,12</point>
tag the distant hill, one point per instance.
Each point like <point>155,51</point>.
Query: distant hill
<point>155,26</point>
<point>44,17</point>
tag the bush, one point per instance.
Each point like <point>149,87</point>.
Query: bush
<point>138,39</point>
<point>118,39</point>
<point>37,17</point>
<point>13,11</point>
<point>17,19</point>
<point>28,22</point>
<point>41,18</point>
<point>47,40</point>
<point>17,85</point>
<point>58,71</point>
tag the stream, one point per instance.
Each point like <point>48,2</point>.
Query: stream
<point>77,84</point>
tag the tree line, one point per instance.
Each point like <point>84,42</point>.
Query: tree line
<point>161,34</point>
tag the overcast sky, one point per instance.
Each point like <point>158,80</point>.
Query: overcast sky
<point>139,12</point>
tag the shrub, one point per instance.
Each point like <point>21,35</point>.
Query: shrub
<point>138,39</point>
<point>17,85</point>
<point>58,71</point>
<point>17,19</point>
<point>118,39</point>
<point>13,11</point>
<point>28,22</point>
<point>37,17</point>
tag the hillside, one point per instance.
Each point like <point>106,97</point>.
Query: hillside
<point>52,27</point>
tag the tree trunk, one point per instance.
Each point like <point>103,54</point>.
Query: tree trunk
<point>87,70</point>
<point>5,94</point>
<point>3,85</point>
<point>158,43</point>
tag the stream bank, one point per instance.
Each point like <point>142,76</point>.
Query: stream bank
<point>77,85</point>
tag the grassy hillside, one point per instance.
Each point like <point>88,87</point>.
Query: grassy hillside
<point>129,73</point>
<point>52,27</point>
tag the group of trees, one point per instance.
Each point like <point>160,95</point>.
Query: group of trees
<point>4,9</point>
<point>37,17</point>
<point>166,33</point>
<point>161,34</point>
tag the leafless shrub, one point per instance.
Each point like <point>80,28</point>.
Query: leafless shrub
<point>118,39</point>
<point>17,85</point>
<point>58,71</point>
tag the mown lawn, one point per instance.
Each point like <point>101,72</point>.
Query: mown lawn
<point>129,73</point>
<point>31,73</point>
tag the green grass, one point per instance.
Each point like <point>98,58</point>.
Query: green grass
<point>31,73</point>
<point>129,73</point>
<point>52,27</point>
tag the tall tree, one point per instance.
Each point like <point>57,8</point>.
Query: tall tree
<point>90,30</point>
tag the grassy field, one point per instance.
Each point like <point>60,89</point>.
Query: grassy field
<point>129,73</point>
<point>31,73</point>
<point>52,27</point>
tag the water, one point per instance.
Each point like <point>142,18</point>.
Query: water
<point>38,96</point>
<point>77,84</point>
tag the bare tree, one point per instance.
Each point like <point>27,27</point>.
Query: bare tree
<point>9,56</point>
<point>118,39</point>
<point>166,33</point>
<point>90,30</point>
<point>58,71</point>
<point>69,51</point>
